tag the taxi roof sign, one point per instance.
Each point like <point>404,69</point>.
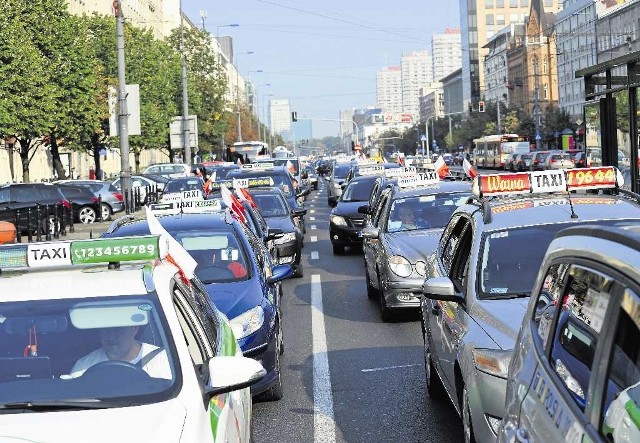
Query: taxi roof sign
<point>187,207</point>
<point>396,172</point>
<point>430,178</point>
<point>259,165</point>
<point>251,182</point>
<point>371,170</point>
<point>541,182</point>
<point>81,252</point>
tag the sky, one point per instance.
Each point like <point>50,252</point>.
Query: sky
<point>323,56</point>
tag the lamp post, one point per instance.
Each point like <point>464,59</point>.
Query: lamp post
<point>185,97</point>
<point>238,91</point>
<point>231,25</point>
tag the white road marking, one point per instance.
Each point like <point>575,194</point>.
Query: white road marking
<point>324,426</point>
<point>314,255</point>
<point>388,367</point>
<point>312,219</point>
<point>314,238</point>
<point>313,227</point>
<point>312,211</point>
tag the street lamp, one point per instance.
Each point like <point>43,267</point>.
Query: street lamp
<point>238,91</point>
<point>232,25</point>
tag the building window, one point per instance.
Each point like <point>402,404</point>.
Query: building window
<point>513,18</point>
<point>488,4</point>
<point>544,65</point>
<point>489,19</point>
<point>546,91</point>
<point>524,3</point>
<point>499,3</point>
<point>499,19</point>
<point>513,3</point>
<point>547,3</point>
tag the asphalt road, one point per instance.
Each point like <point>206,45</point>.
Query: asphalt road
<point>348,376</point>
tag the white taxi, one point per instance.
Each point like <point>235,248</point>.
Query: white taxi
<point>115,340</point>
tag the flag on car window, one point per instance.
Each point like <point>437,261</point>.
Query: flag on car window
<point>440,166</point>
<point>468,169</point>
<point>232,202</point>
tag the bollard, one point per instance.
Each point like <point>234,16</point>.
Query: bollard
<point>60,214</point>
<point>72,229</point>
<point>16,214</point>
<point>38,224</point>
<point>29,231</point>
<point>100,208</point>
<point>47,224</point>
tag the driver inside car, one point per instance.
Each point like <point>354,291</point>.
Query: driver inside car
<point>120,344</point>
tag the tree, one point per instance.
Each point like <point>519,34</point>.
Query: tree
<point>510,122</point>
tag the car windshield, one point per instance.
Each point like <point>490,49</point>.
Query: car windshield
<point>271,205</point>
<point>183,185</point>
<point>288,162</point>
<point>424,211</point>
<point>510,258</point>
<point>218,253</point>
<point>358,191</point>
<point>340,172</point>
<point>73,352</point>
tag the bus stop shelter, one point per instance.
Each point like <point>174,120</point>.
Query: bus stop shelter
<point>611,113</point>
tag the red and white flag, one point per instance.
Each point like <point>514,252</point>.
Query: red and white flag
<point>440,166</point>
<point>232,202</point>
<point>291,168</point>
<point>244,195</point>
<point>468,169</point>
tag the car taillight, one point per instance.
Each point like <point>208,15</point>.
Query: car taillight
<point>536,161</point>
<point>118,196</point>
<point>66,203</point>
<point>95,199</point>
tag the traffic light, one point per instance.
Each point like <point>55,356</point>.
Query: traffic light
<point>480,106</point>
<point>353,145</point>
<point>294,116</point>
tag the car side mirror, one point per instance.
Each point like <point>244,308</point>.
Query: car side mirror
<point>343,185</point>
<point>229,374</point>
<point>274,233</point>
<point>303,192</point>
<point>298,212</point>
<point>371,232</point>
<point>441,288</point>
<point>279,273</point>
<point>364,209</point>
<point>333,203</point>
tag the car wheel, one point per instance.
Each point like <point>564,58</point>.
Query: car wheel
<point>87,215</point>
<point>372,292</point>
<point>54,225</point>
<point>435,389</point>
<point>276,392</point>
<point>106,212</point>
<point>385,312</point>
<point>338,249</point>
<point>467,426</point>
<point>299,271</point>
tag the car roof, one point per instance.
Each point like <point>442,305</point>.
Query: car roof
<point>76,282</point>
<point>510,212</point>
<point>174,222</point>
<point>443,187</point>
<point>623,233</point>
<point>276,170</point>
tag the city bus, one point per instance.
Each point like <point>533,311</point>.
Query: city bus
<point>493,151</point>
<point>246,152</point>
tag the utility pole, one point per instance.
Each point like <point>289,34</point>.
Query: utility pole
<point>536,106</point>
<point>203,16</point>
<point>123,115</point>
<point>185,96</point>
<point>499,126</point>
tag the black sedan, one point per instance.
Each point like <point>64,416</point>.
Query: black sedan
<point>233,265</point>
<point>278,215</point>
<point>404,230</point>
<point>345,222</point>
<point>85,204</point>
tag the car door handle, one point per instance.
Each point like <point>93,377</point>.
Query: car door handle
<point>435,310</point>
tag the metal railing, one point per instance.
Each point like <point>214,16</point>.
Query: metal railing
<point>40,222</point>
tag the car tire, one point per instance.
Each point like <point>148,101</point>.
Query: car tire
<point>467,426</point>
<point>106,212</point>
<point>372,293</point>
<point>337,249</point>
<point>299,271</point>
<point>435,389</point>
<point>54,224</point>
<point>385,313</point>
<point>87,215</point>
<point>276,392</point>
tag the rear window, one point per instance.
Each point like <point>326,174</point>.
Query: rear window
<point>341,172</point>
<point>271,205</point>
<point>358,191</point>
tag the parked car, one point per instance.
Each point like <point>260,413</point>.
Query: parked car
<point>510,162</point>
<point>581,160</point>
<point>44,199</point>
<point>112,200</point>
<point>173,170</point>
<point>538,159</point>
<point>523,162</point>
<point>142,184</point>
<point>85,205</point>
<point>558,160</point>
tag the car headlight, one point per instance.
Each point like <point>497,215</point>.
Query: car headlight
<point>337,185</point>
<point>338,220</point>
<point>492,361</point>
<point>286,238</point>
<point>247,323</point>
<point>400,266</point>
<point>421,268</point>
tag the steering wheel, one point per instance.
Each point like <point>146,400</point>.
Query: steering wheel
<point>108,368</point>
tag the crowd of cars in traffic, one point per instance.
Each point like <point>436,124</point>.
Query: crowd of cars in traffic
<point>526,286</point>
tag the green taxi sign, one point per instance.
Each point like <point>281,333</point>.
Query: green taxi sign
<point>115,250</point>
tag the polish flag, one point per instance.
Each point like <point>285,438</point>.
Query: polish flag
<point>468,169</point>
<point>291,168</point>
<point>244,195</point>
<point>440,166</point>
<point>177,254</point>
<point>232,203</point>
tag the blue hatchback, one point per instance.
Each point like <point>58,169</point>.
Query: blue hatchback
<point>237,272</point>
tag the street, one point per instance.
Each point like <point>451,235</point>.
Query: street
<point>347,375</point>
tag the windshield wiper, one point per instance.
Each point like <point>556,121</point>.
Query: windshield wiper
<point>48,405</point>
<point>517,295</point>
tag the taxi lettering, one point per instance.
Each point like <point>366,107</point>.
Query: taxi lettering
<point>563,421</point>
<point>550,180</point>
<point>51,253</point>
<point>194,193</point>
<point>496,183</point>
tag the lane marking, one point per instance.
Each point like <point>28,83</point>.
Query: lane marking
<point>313,227</point>
<point>314,255</point>
<point>312,219</point>
<point>389,367</point>
<point>312,211</point>
<point>324,426</point>
<point>314,238</point>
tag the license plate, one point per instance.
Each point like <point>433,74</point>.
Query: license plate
<point>527,162</point>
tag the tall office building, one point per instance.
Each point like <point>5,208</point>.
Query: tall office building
<point>280,116</point>
<point>479,21</point>
<point>446,50</point>
<point>417,71</point>
<point>389,89</point>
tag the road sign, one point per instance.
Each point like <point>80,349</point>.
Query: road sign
<point>538,137</point>
<point>133,108</point>
<point>423,138</point>
<point>176,134</point>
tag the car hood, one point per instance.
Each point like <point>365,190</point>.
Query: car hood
<point>283,223</point>
<point>348,209</point>
<point>155,422</point>
<point>500,319</point>
<point>413,245</point>
<point>233,299</point>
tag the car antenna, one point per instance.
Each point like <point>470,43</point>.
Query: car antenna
<point>573,213</point>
